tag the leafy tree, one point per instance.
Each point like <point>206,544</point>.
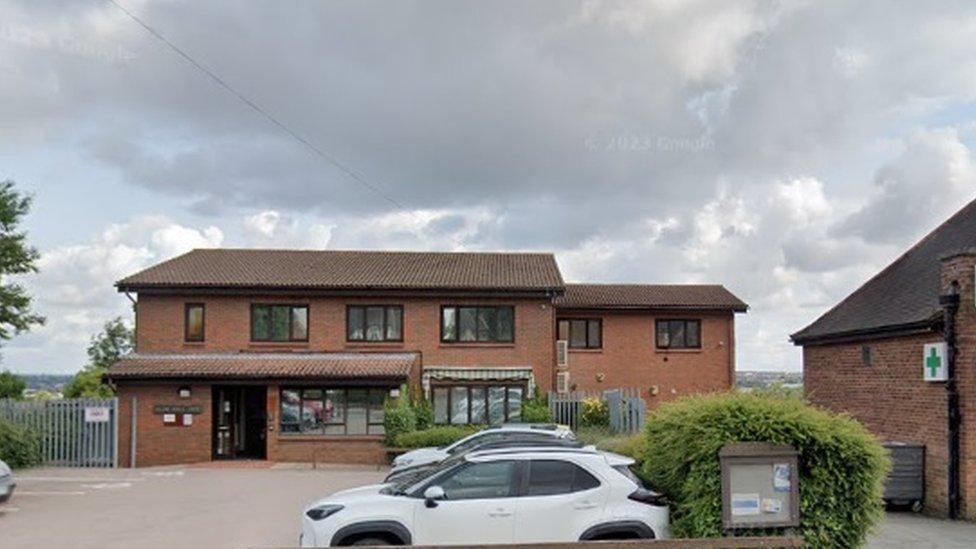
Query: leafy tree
<point>16,257</point>
<point>115,340</point>
<point>11,385</point>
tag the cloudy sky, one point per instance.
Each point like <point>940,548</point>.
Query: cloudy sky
<point>788,150</point>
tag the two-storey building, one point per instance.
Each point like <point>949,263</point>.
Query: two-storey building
<point>289,355</point>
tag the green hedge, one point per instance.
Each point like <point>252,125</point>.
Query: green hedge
<point>18,446</point>
<point>435,436</point>
<point>842,466</point>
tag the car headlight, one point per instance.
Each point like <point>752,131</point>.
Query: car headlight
<point>322,511</point>
<point>403,462</point>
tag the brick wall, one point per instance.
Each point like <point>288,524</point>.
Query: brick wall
<point>888,396</point>
<point>630,357</point>
<point>159,329</point>
<point>158,444</point>
<point>959,268</point>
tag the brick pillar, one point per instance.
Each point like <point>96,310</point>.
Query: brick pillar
<point>961,268</point>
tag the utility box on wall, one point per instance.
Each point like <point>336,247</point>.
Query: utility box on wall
<point>759,486</point>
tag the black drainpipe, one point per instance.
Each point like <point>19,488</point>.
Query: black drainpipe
<point>950,304</point>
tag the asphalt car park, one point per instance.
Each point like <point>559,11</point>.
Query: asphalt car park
<point>168,507</point>
<point>245,507</point>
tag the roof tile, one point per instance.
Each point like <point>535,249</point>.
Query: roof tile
<point>330,269</point>
<point>649,296</point>
<point>906,292</point>
<point>265,365</point>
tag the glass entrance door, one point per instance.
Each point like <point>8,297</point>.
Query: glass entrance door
<point>240,422</point>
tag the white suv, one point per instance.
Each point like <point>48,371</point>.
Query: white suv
<point>515,495</point>
<point>498,433</point>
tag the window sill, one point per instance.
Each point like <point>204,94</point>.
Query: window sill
<point>328,438</point>
<point>678,351</point>
<point>585,351</point>
<point>476,345</point>
<point>374,344</point>
<point>278,344</point>
<point>195,344</point>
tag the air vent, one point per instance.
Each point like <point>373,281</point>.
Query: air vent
<point>562,353</point>
<point>562,382</point>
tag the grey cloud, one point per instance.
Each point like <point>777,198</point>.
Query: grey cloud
<point>599,130</point>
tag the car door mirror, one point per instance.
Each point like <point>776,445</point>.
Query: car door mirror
<point>432,495</point>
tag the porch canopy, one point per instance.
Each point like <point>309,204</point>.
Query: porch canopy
<point>258,366</point>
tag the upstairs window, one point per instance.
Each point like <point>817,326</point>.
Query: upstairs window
<point>374,323</point>
<point>478,324</point>
<point>193,322</point>
<point>679,334</point>
<point>582,333</point>
<point>279,322</point>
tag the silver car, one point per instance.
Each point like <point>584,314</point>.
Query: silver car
<point>7,483</point>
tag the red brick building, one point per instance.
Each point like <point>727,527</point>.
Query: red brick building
<point>865,356</point>
<point>289,355</point>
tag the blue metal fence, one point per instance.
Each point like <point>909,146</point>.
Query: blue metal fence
<point>627,409</point>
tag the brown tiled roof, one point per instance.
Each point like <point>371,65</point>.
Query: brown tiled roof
<point>649,296</point>
<point>905,294</point>
<point>357,270</point>
<point>265,365</point>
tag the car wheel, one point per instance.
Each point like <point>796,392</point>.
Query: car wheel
<point>371,541</point>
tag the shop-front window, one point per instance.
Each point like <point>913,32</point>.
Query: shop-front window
<point>333,411</point>
<point>480,404</point>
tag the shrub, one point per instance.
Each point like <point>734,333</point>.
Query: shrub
<point>536,409</point>
<point>626,445</point>
<point>19,447</point>
<point>424,413</point>
<point>435,436</point>
<point>595,413</point>
<point>398,416</point>
<point>841,465</point>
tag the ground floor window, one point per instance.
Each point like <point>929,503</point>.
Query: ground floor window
<point>333,411</point>
<point>481,403</point>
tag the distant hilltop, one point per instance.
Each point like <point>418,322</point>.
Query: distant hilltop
<point>763,380</point>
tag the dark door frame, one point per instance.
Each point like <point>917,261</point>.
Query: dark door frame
<point>239,422</point>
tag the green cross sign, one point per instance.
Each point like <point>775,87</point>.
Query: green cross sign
<point>933,362</point>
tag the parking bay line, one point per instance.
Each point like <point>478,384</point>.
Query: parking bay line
<point>41,493</point>
<point>78,479</point>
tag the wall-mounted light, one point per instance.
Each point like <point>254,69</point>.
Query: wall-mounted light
<point>184,392</point>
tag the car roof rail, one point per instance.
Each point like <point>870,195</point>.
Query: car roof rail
<point>526,443</point>
<point>538,426</point>
<point>586,450</point>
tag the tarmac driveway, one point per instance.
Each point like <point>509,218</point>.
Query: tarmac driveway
<point>247,505</point>
<point>908,530</point>
<point>167,507</point>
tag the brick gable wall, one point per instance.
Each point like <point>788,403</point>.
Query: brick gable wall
<point>890,397</point>
<point>630,357</point>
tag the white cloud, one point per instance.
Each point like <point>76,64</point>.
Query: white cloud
<point>74,288</point>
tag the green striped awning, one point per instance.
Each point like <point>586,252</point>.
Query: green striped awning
<point>477,373</point>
